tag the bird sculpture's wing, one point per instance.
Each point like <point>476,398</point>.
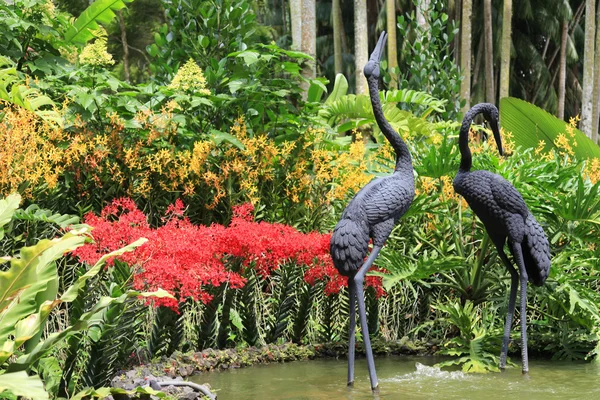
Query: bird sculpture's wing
<point>507,197</point>
<point>387,200</point>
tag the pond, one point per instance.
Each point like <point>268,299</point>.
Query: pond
<point>403,377</point>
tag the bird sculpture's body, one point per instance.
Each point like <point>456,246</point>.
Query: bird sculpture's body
<point>505,217</point>
<point>371,214</point>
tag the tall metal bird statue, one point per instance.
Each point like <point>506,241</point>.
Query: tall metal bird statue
<point>505,216</point>
<point>371,214</point>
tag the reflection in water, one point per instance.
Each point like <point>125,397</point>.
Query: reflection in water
<point>403,378</point>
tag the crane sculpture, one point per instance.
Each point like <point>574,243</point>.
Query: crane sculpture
<point>505,216</point>
<point>371,214</point>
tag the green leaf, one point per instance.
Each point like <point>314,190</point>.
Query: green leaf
<point>8,206</point>
<point>101,11</point>
<point>530,124</point>
<point>72,292</point>
<point>250,57</point>
<point>29,275</point>
<point>316,90</point>
<point>20,384</point>
<point>340,88</point>
<point>218,137</point>
<point>81,324</point>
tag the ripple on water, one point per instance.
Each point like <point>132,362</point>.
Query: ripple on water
<point>425,372</point>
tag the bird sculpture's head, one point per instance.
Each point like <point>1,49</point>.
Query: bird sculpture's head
<point>491,114</point>
<point>372,67</point>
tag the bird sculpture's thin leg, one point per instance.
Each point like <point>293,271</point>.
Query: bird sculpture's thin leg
<point>360,297</point>
<point>514,278</point>
<point>352,329</point>
<point>517,253</point>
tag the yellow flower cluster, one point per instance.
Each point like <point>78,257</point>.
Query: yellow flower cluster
<point>96,54</point>
<point>27,155</point>
<point>428,186</point>
<point>479,146</point>
<point>592,170</point>
<point>190,77</point>
<point>307,171</point>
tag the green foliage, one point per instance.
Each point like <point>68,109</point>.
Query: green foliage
<point>426,57</point>
<point>471,342</point>
<point>530,125</point>
<point>204,30</point>
<point>100,11</point>
<point>349,111</point>
<point>26,306</point>
<point>285,280</point>
<point>14,91</point>
<point>20,384</point>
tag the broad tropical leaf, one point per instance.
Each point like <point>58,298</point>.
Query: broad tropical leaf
<point>101,11</point>
<point>22,385</point>
<point>530,124</point>
<point>340,88</point>
<point>29,275</point>
<point>83,323</point>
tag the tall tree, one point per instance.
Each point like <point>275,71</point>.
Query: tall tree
<point>125,47</point>
<point>338,33</point>
<point>562,74</point>
<point>465,53</point>
<point>361,44</point>
<point>296,21</point>
<point>392,42</point>
<point>596,90</point>
<point>309,40</point>
<point>588,68</point>
<point>505,49</point>
<point>489,52</point>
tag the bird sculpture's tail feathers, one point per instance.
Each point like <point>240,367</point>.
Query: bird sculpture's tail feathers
<point>536,252</point>
<point>349,245</point>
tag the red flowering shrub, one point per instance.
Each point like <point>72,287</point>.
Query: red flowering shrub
<point>188,260</point>
<point>179,257</point>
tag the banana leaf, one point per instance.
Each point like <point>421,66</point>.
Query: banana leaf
<point>530,124</point>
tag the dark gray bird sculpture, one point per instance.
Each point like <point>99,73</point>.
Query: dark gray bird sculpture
<point>505,216</point>
<point>371,214</point>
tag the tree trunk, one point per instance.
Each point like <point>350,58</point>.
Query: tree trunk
<point>457,37</point>
<point>562,77</point>
<point>505,50</point>
<point>125,47</point>
<point>465,53</point>
<point>296,22</point>
<point>309,41</point>
<point>361,44</point>
<point>392,41</point>
<point>338,32</point>
<point>588,68</point>
<point>489,52</point>
<point>596,90</point>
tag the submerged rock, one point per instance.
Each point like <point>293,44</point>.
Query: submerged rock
<point>175,388</point>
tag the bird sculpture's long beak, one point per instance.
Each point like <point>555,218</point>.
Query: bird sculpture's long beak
<point>372,67</point>
<point>496,131</point>
<point>377,53</point>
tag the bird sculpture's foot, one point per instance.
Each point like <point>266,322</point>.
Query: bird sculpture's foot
<point>351,384</point>
<point>525,373</point>
<point>375,390</point>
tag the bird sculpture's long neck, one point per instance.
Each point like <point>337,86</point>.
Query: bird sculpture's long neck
<point>466,160</point>
<point>403,159</point>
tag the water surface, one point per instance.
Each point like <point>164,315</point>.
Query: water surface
<point>406,378</point>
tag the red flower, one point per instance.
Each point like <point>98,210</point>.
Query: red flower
<point>188,260</point>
